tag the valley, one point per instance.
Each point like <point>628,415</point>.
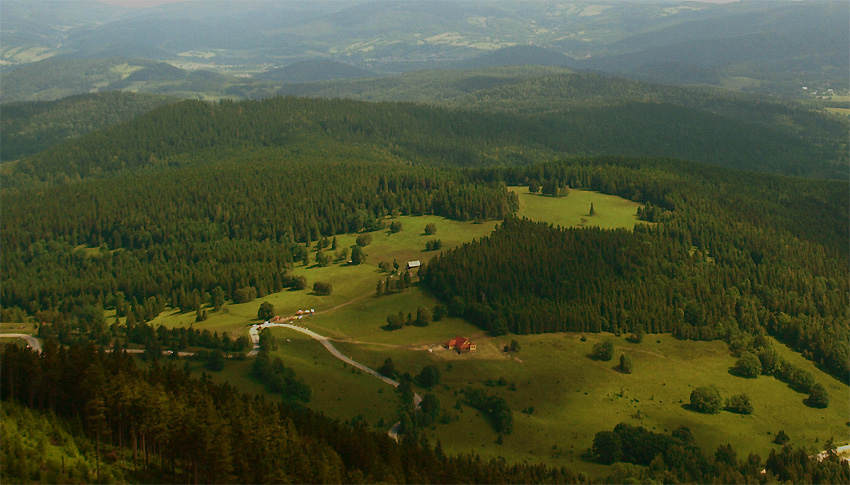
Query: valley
<point>559,396</point>
<point>424,242</point>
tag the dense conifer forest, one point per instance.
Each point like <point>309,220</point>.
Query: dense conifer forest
<point>728,253</point>
<point>182,236</point>
<point>28,128</point>
<point>194,132</point>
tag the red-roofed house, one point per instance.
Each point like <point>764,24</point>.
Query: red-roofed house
<point>461,344</point>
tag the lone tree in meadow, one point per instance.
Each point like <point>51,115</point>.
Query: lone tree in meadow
<point>430,229</point>
<point>266,311</point>
<point>625,364</point>
<point>357,255</point>
<point>706,400</point>
<point>363,240</point>
<point>322,288</point>
<point>592,210</point>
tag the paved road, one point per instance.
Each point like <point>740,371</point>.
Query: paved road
<point>32,342</point>
<point>325,342</point>
<point>255,338</point>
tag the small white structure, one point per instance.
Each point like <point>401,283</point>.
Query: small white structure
<point>413,264</point>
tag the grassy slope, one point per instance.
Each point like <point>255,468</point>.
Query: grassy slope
<point>573,397</point>
<point>573,210</point>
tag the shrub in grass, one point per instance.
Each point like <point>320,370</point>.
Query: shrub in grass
<point>364,240</point>
<point>781,437</point>
<point>739,403</point>
<point>603,351</point>
<point>818,398</point>
<point>748,365</point>
<point>322,288</point>
<point>706,400</point>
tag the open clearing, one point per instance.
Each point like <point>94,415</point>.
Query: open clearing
<point>573,396</point>
<point>573,210</point>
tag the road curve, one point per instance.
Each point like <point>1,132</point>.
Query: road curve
<point>255,338</point>
<point>32,342</point>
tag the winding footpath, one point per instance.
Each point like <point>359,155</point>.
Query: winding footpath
<point>32,342</point>
<point>255,330</point>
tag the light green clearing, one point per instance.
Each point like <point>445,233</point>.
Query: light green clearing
<point>612,212</point>
<point>840,111</point>
<point>18,327</point>
<point>349,282</point>
<point>573,396</point>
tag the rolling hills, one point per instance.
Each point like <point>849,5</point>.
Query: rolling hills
<point>190,132</point>
<point>572,221</point>
<point>767,47</point>
<point>28,128</point>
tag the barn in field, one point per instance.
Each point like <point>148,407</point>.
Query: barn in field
<point>461,344</point>
<point>413,265</point>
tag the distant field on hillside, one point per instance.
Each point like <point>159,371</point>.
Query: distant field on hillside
<point>573,210</point>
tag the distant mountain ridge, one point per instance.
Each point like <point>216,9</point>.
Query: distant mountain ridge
<point>769,46</point>
<point>191,133</point>
<point>28,128</point>
<point>561,94</point>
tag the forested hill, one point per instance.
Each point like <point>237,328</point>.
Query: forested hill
<point>193,132</point>
<point>733,253</point>
<point>28,128</point>
<point>538,89</point>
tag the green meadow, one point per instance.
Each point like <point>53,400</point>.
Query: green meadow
<point>573,210</point>
<point>572,396</point>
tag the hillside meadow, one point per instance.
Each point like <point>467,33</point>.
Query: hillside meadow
<point>559,396</point>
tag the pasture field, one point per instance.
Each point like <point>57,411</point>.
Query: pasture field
<point>18,327</point>
<point>573,210</point>
<point>572,396</point>
<point>575,397</point>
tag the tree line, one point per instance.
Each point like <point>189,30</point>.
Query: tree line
<point>677,458</point>
<point>729,255</point>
